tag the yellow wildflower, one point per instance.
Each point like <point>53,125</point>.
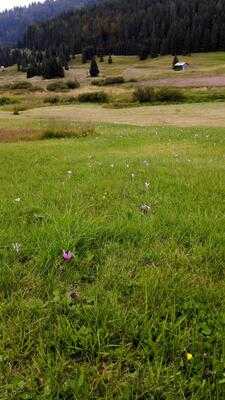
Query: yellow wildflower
<point>189,356</point>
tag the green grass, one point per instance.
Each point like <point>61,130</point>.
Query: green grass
<point>146,289</point>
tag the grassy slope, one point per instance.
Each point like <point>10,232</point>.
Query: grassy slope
<point>148,287</point>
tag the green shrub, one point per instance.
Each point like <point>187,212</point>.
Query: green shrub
<point>144,94</point>
<point>72,84</point>
<point>69,100</point>
<point>52,99</point>
<point>58,86</point>
<point>61,99</point>
<point>64,132</point>
<point>110,80</point>
<point>93,97</point>
<point>7,100</point>
<point>63,86</point>
<point>169,95</point>
<point>119,104</point>
<point>215,96</point>
<point>23,85</point>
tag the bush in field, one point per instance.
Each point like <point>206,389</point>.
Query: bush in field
<point>72,84</point>
<point>7,100</point>
<point>169,95</point>
<point>23,85</point>
<point>64,132</point>
<point>93,97</point>
<point>58,86</point>
<point>144,94</point>
<point>111,80</point>
<point>52,99</point>
<point>69,100</point>
<point>63,86</point>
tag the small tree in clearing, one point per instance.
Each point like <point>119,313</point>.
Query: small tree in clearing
<point>94,71</point>
<point>110,59</point>
<point>175,61</point>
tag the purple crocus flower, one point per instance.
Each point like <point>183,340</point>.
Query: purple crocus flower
<point>67,256</point>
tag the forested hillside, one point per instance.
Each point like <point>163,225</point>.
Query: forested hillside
<point>13,23</point>
<point>132,26</point>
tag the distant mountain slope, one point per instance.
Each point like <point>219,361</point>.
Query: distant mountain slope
<point>132,26</point>
<point>13,23</point>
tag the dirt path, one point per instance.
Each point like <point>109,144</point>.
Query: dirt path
<point>207,114</point>
<point>184,81</point>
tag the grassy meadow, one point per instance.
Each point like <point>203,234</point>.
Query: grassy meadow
<point>138,313</point>
<point>203,81</point>
<point>135,193</point>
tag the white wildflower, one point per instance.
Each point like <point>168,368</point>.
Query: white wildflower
<point>17,247</point>
<point>145,208</point>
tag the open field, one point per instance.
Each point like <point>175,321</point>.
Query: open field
<point>206,72</point>
<point>180,115</point>
<point>30,123</point>
<point>137,195</point>
<point>201,65</point>
<point>139,312</point>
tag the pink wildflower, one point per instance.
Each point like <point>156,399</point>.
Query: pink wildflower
<point>67,256</point>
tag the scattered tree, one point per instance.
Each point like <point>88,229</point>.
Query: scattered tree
<point>175,61</point>
<point>94,71</point>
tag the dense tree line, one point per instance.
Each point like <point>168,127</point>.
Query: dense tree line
<point>13,23</point>
<point>136,27</point>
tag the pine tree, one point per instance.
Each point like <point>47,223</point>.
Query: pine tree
<point>110,59</point>
<point>175,60</point>
<point>52,68</point>
<point>94,71</point>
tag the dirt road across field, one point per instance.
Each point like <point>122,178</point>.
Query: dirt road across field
<point>183,81</point>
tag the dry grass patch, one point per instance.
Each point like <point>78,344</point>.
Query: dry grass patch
<point>53,131</point>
